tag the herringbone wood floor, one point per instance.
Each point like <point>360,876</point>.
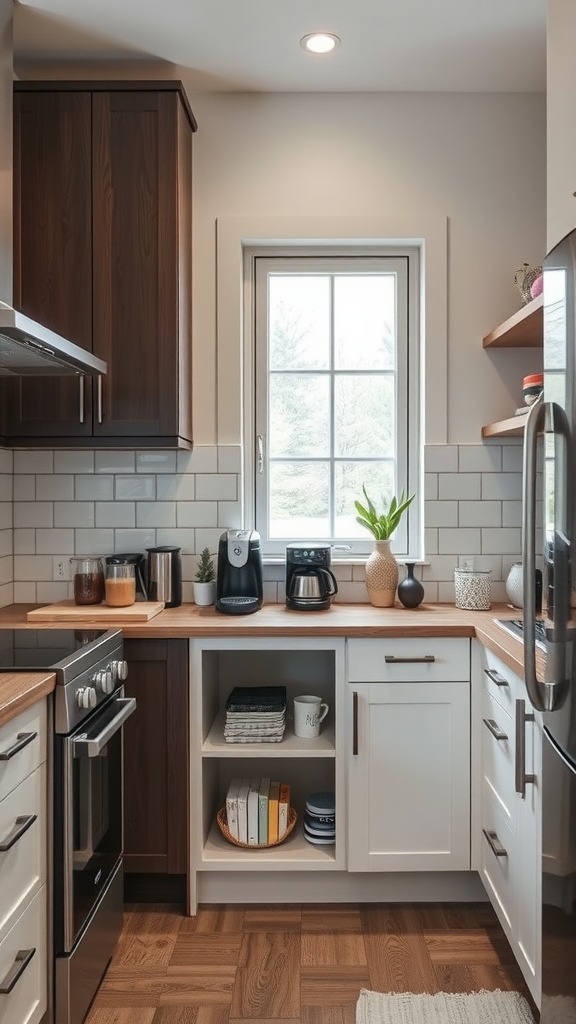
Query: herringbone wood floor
<point>299,964</point>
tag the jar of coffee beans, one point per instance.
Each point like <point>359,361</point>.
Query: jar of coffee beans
<point>88,579</point>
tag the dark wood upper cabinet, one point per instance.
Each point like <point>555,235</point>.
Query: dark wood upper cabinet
<point>103,256</point>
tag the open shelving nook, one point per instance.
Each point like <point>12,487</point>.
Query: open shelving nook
<point>521,330</point>
<point>302,665</point>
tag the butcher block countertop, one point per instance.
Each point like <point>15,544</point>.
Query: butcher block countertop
<point>19,690</point>
<point>275,620</point>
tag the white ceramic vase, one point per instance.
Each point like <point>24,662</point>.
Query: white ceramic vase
<point>204,593</point>
<point>515,585</point>
<point>382,575</point>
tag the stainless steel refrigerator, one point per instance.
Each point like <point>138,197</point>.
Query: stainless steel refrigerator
<point>550,478</point>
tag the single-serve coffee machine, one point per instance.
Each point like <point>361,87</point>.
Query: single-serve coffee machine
<point>310,583</point>
<point>239,588</point>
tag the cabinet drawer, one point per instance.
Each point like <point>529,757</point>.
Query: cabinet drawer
<point>23,865</point>
<point>27,1000</point>
<point>501,682</point>
<point>22,746</point>
<point>498,745</point>
<point>408,659</point>
<point>497,871</point>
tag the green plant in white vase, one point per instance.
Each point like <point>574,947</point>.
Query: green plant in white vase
<point>381,566</point>
<point>204,583</point>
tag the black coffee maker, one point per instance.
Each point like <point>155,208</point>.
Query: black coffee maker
<point>310,583</point>
<point>239,577</point>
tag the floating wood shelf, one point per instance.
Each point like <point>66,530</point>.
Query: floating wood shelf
<point>512,427</point>
<point>522,330</point>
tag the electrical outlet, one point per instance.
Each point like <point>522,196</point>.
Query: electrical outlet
<point>60,569</point>
<point>467,564</point>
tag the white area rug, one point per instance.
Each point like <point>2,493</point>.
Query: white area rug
<point>443,1008</point>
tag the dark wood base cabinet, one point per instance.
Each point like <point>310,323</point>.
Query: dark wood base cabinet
<point>103,256</point>
<point>156,758</point>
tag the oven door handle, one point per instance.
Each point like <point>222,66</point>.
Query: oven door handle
<point>85,746</point>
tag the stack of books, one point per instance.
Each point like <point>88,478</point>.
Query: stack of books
<point>255,714</point>
<point>320,819</point>
<point>257,810</point>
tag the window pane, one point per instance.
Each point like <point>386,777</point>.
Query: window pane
<point>299,322</point>
<point>299,496</point>
<point>364,415</point>
<point>349,478</point>
<point>364,321</point>
<point>299,415</point>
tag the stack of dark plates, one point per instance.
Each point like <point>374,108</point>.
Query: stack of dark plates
<point>255,714</point>
<point>320,819</point>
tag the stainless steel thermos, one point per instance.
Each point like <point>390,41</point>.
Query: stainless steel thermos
<point>164,575</point>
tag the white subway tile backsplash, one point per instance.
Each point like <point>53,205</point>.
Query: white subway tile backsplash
<point>6,570</point>
<point>459,485</point>
<point>74,462</point>
<point>94,488</point>
<point>104,501</point>
<point>59,487</point>
<point>24,593</point>
<point>6,487</point>
<point>74,513</point>
<point>136,488</point>
<point>46,593</point>
<point>6,461</point>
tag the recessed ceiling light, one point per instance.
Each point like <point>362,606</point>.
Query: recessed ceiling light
<point>319,42</point>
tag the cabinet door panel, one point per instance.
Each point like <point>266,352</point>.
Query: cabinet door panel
<point>410,781</point>
<point>135,292</point>
<point>53,251</point>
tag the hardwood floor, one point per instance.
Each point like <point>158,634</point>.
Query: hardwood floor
<point>299,964</point>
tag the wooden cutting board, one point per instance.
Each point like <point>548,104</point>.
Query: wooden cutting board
<point>67,611</point>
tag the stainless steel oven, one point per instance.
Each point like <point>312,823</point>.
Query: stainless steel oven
<point>87,765</point>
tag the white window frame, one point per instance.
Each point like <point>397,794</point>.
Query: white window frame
<point>405,260</point>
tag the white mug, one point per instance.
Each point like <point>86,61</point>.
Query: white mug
<point>308,713</point>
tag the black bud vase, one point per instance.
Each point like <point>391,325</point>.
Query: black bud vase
<point>410,590</point>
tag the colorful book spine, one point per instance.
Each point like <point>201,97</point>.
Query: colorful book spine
<point>232,807</point>
<point>273,812</point>
<point>263,811</point>
<point>283,809</point>
<point>253,810</point>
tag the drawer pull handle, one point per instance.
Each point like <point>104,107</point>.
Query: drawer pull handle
<point>21,825</point>
<point>391,659</point>
<point>496,677</point>
<point>23,958</point>
<point>494,843</point>
<point>522,778</point>
<point>495,729</point>
<point>22,740</point>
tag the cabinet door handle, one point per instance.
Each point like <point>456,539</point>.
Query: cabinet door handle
<point>21,825</point>
<point>22,740</point>
<point>23,958</point>
<point>495,729</point>
<point>354,722</point>
<point>521,778</point>
<point>99,412</point>
<point>81,410</point>
<point>496,677</point>
<point>494,843</point>
<point>426,659</point>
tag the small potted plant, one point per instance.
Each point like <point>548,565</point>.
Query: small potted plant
<point>381,566</point>
<point>204,583</point>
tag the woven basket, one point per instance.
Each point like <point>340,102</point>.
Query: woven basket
<point>223,826</point>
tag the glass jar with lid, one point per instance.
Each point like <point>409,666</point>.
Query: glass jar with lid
<point>88,579</point>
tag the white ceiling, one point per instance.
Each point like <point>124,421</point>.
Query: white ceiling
<point>252,45</point>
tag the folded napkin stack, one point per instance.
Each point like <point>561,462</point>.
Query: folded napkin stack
<point>255,714</point>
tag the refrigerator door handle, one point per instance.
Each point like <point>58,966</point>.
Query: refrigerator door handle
<point>534,424</point>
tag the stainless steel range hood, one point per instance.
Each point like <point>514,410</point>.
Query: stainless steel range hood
<point>27,349</point>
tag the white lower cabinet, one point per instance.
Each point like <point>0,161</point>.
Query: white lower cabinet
<point>23,867</point>
<point>509,736</point>
<point>409,754</point>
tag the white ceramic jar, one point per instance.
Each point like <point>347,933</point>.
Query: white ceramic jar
<point>515,585</point>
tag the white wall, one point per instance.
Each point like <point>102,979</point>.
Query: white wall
<point>476,159</point>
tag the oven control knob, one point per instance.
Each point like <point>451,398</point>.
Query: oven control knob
<point>104,680</point>
<point>86,697</point>
<point>120,669</point>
